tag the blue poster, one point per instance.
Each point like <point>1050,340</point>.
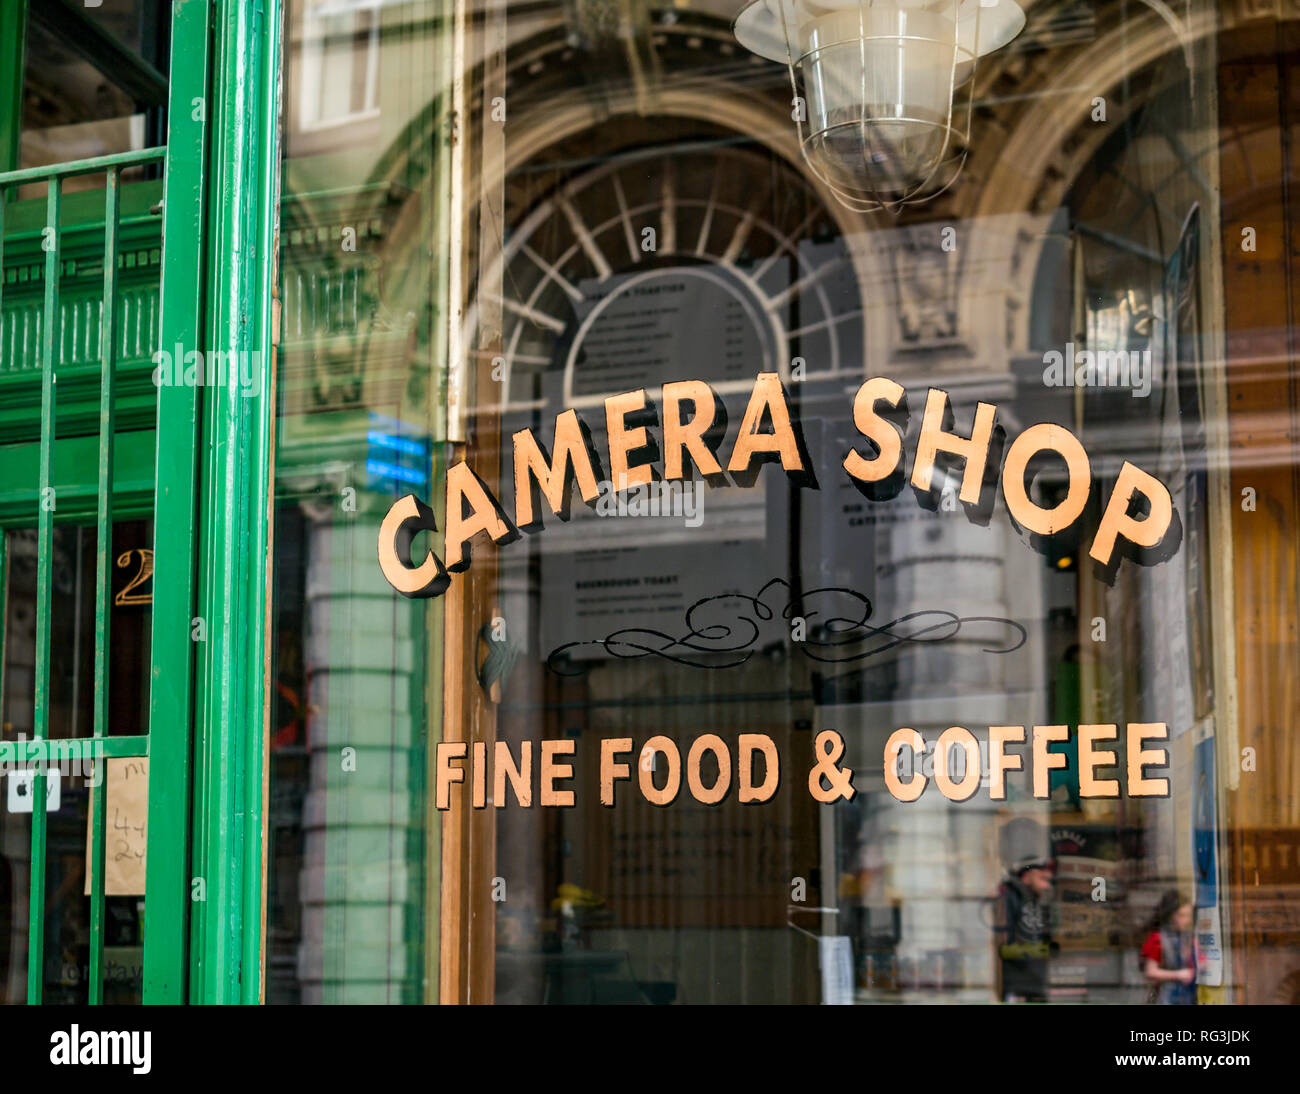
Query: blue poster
<point>1205,826</point>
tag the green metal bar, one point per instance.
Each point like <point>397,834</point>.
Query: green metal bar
<point>133,475</point>
<point>235,560</point>
<point>168,903</point>
<point>266,133</point>
<point>4,603</point>
<point>2,258</point>
<point>103,587</point>
<point>94,166</point>
<point>73,750</point>
<point>13,50</point>
<point>44,589</point>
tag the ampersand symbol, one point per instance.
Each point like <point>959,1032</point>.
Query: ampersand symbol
<point>827,750</point>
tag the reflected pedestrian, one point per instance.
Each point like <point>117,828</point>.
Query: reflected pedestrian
<point>1026,931</point>
<point>1169,957</point>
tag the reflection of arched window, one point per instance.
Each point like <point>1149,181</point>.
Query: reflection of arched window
<point>339,81</point>
<point>716,258</point>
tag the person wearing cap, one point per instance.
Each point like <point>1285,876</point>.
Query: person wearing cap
<point>1026,930</point>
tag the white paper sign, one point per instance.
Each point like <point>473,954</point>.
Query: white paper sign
<point>21,790</point>
<point>836,957</point>
<point>1209,941</point>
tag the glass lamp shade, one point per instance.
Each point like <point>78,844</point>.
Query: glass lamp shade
<point>882,89</point>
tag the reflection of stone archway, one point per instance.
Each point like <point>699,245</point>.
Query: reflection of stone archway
<point>1054,135</point>
<point>736,224</point>
<point>725,118</point>
<point>1033,137</point>
<point>1028,96</point>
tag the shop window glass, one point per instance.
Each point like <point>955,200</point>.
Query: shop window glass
<point>606,200</point>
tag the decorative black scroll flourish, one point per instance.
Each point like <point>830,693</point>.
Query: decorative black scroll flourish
<point>722,631</point>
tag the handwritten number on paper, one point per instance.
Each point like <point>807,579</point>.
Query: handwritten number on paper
<point>126,827</point>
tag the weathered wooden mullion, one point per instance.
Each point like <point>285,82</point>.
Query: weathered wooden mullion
<point>103,590</point>
<point>44,590</point>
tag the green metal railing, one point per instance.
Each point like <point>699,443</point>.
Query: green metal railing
<point>41,751</point>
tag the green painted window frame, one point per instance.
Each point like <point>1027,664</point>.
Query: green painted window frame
<point>238,160</point>
<point>212,451</point>
<point>106,459</point>
<point>153,449</point>
<point>44,354</point>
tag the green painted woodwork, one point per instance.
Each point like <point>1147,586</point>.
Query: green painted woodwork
<point>91,285</point>
<point>44,597</point>
<point>56,462</point>
<point>4,615</point>
<point>103,584</point>
<point>78,350</point>
<point>234,556</point>
<point>73,749</point>
<point>80,303</point>
<point>75,459</point>
<point>168,905</point>
<point>13,51</point>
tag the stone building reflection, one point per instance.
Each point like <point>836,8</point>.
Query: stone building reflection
<point>1062,232</point>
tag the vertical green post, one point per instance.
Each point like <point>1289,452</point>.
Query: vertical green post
<point>44,590</point>
<point>4,600</point>
<point>13,52</point>
<point>3,196</point>
<point>103,589</point>
<point>171,682</point>
<point>235,556</point>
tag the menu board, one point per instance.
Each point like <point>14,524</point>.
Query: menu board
<point>640,329</point>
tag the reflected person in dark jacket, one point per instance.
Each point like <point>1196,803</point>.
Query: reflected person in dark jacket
<point>1025,931</point>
